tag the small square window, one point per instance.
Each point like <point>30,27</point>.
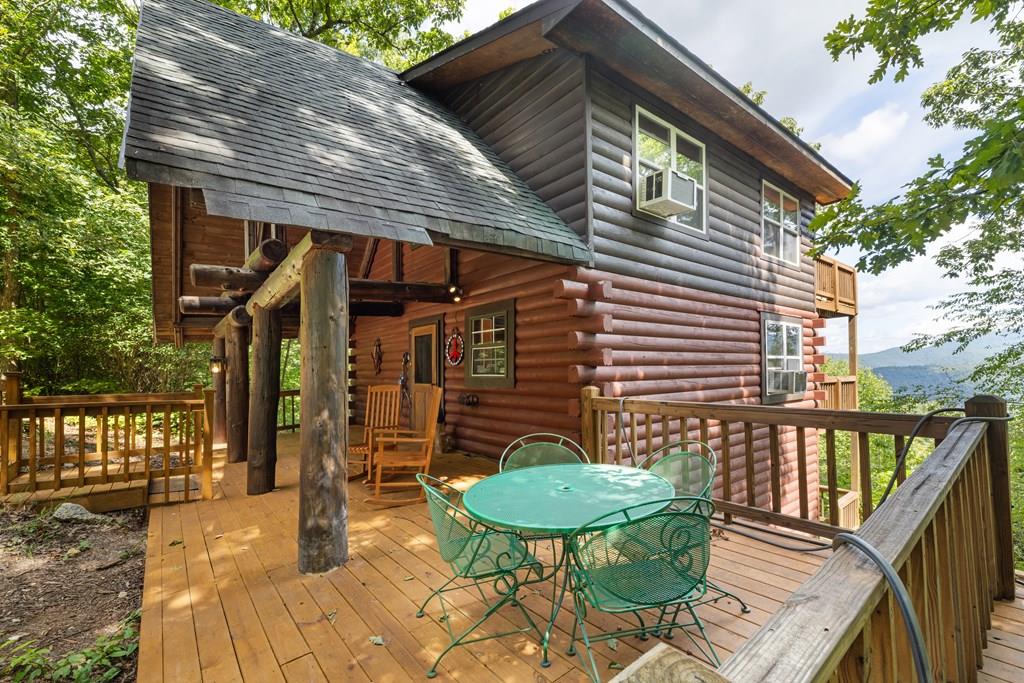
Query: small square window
<point>490,354</point>
<point>784,378</point>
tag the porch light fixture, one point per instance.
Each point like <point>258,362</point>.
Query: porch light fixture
<point>456,293</point>
<point>217,364</point>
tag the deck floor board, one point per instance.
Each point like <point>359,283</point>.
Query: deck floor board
<point>223,600</point>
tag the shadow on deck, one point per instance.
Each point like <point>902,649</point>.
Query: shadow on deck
<point>223,600</point>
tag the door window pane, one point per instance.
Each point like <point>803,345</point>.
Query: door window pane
<point>423,351</point>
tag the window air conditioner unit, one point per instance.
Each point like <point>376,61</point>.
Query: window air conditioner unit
<point>787,381</point>
<point>668,193</point>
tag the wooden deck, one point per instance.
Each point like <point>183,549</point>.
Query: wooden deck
<point>223,600</point>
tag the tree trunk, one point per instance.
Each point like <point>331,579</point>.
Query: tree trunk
<point>323,493</point>
<point>263,398</point>
<point>237,393</point>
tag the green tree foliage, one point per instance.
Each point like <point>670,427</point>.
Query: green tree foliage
<point>397,33</point>
<point>982,188</point>
<point>74,245</point>
<point>788,122</point>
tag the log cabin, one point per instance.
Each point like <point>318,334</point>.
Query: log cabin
<point>567,198</point>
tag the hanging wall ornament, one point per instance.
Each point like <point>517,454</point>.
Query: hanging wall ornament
<point>378,357</point>
<point>455,348</point>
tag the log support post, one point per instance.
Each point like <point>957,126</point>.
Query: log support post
<point>263,400</point>
<point>235,330</point>
<point>323,491</point>
<point>589,431</point>
<point>220,416</point>
<point>998,440</point>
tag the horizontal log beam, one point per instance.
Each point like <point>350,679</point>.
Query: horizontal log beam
<point>236,317</point>
<point>267,256</point>
<point>219,306</point>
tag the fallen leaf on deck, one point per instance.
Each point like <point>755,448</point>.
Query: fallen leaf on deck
<point>615,665</point>
<point>377,640</point>
<point>175,542</point>
<point>409,578</point>
<point>613,644</point>
<point>332,615</point>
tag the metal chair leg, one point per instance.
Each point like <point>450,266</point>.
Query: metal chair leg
<point>728,594</point>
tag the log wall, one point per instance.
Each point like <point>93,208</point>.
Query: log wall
<point>727,258</point>
<point>533,114</point>
<point>542,400</point>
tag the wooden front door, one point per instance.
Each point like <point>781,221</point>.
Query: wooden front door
<point>425,353</point>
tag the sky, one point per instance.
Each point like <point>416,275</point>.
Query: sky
<point>873,133</point>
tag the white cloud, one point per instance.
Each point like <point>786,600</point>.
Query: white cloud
<point>874,132</point>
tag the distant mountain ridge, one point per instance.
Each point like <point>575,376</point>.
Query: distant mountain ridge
<point>932,367</point>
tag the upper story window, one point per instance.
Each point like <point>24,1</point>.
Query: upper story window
<point>780,224</point>
<point>660,147</point>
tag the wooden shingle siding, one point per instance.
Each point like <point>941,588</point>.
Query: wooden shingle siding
<point>533,115</point>
<point>726,260</point>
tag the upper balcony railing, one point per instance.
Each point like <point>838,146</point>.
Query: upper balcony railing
<point>835,287</point>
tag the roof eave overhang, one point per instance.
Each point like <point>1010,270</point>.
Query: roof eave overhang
<point>615,35</point>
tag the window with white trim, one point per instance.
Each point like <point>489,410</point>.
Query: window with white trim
<point>780,224</point>
<point>659,145</point>
<point>782,351</point>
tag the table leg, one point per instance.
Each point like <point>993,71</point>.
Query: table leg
<point>556,603</point>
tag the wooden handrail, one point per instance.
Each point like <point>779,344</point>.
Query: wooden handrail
<point>937,532</point>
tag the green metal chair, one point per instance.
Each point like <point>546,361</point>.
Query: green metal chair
<point>541,449</point>
<point>692,475</point>
<point>631,561</point>
<point>478,555</point>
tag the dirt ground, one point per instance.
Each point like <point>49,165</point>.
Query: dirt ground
<point>64,583</point>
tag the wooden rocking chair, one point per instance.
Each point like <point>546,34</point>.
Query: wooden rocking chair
<point>382,409</point>
<point>400,454</point>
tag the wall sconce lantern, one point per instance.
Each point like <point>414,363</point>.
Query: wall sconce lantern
<point>456,293</point>
<point>217,364</point>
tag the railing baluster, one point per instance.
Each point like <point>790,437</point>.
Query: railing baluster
<point>952,636</point>
<point>186,449</point>
<point>618,438</point>
<point>648,434</point>
<point>901,472</point>
<point>101,445</point>
<point>633,441</point>
<point>748,443</point>
<point>148,464</point>
<point>126,446</point>
<point>5,451</point>
<point>833,477</point>
<point>665,429</point>
<point>602,452</point>
<point>81,446</point>
<point>726,465</point>
<point>58,447</point>
<point>167,453</point>
<point>801,471</point>
<point>33,455</point>
<point>775,467</point>
<point>867,503</point>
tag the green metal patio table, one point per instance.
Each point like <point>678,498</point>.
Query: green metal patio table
<point>555,500</point>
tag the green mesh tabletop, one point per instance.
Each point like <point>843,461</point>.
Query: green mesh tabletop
<point>557,499</point>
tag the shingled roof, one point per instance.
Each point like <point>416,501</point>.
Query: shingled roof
<point>278,128</point>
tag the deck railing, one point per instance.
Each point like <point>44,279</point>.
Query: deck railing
<point>768,457</point>
<point>840,392</point>
<point>55,442</point>
<point>288,411</point>
<point>946,532</point>
<point>835,286</point>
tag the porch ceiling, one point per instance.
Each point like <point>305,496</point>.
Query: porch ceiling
<point>277,128</point>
